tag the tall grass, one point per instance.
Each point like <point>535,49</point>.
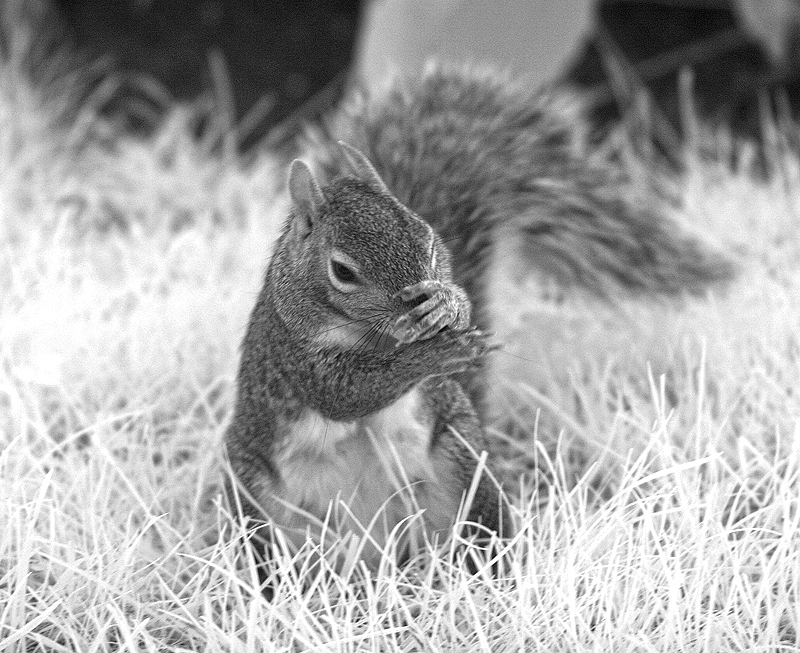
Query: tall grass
<point>654,467</point>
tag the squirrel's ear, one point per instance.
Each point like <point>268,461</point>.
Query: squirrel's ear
<point>306,195</point>
<point>362,167</point>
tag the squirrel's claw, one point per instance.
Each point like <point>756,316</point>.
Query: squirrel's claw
<point>425,320</point>
<point>446,306</point>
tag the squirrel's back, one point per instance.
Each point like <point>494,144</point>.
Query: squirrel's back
<point>484,159</point>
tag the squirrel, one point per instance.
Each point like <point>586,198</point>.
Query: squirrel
<point>359,397</point>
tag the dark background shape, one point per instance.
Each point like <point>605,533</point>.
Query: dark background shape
<point>271,65</point>
<point>733,79</point>
<point>284,54</point>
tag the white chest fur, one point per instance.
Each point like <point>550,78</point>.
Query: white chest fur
<point>365,475</point>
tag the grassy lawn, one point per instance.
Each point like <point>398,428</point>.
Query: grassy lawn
<point>652,461</point>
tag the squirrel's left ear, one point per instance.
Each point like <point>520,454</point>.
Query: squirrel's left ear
<point>307,197</point>
<point>362,167</point>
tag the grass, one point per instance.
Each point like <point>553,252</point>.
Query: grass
<point>655,462</point>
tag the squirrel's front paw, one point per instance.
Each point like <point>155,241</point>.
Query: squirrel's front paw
<point>446,305</point>
<point>467,350</point>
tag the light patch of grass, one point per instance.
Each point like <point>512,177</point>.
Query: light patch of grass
<point>667,434</point>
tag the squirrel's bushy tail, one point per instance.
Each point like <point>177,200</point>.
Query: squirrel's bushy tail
<point>604,238</point>
<point>475,153</point>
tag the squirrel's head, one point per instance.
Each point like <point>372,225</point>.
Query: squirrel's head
<point>350,247</point>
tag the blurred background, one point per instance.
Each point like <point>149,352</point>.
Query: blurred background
<point>268,66</point>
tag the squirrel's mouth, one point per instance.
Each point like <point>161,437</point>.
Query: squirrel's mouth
<point>355,335</point>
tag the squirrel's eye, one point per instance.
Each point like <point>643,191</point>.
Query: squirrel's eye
<point>342,276</point>
<point>343,273</point>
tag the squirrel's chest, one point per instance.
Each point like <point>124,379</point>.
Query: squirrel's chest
<point>350,472</point>
<point>322,460</point>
